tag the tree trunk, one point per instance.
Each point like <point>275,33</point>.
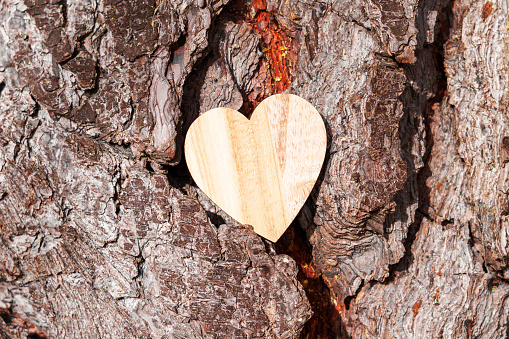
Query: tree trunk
<point>105,235</point>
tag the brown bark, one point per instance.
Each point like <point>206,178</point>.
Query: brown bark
<point>104,234</point>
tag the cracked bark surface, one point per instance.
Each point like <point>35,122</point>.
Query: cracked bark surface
<point>104,234</point>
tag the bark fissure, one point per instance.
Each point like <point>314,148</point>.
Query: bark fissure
<point>420,175</point>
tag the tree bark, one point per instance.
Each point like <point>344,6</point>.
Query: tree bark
<point>104,233</point>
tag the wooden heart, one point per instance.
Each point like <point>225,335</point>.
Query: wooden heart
<point>260,170</point>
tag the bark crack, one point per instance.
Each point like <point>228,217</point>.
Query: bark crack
<point>422,211</point>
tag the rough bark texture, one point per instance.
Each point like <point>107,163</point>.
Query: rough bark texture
<point>104,234</point>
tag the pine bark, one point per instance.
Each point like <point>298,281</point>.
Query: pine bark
<point>105,235</point>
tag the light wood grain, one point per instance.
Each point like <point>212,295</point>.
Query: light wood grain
<point>259,171</point>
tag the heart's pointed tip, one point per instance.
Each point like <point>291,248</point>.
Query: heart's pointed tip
<point>273,238</point>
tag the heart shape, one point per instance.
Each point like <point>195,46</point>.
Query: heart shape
<point>260,170</point>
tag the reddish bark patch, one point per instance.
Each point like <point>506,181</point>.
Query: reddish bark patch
<point>280,48</point>
<point>487,9</point>
<point>416,307</point>
<point>259,4</point>
<point>469,326</point>
<point>326,321</point>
